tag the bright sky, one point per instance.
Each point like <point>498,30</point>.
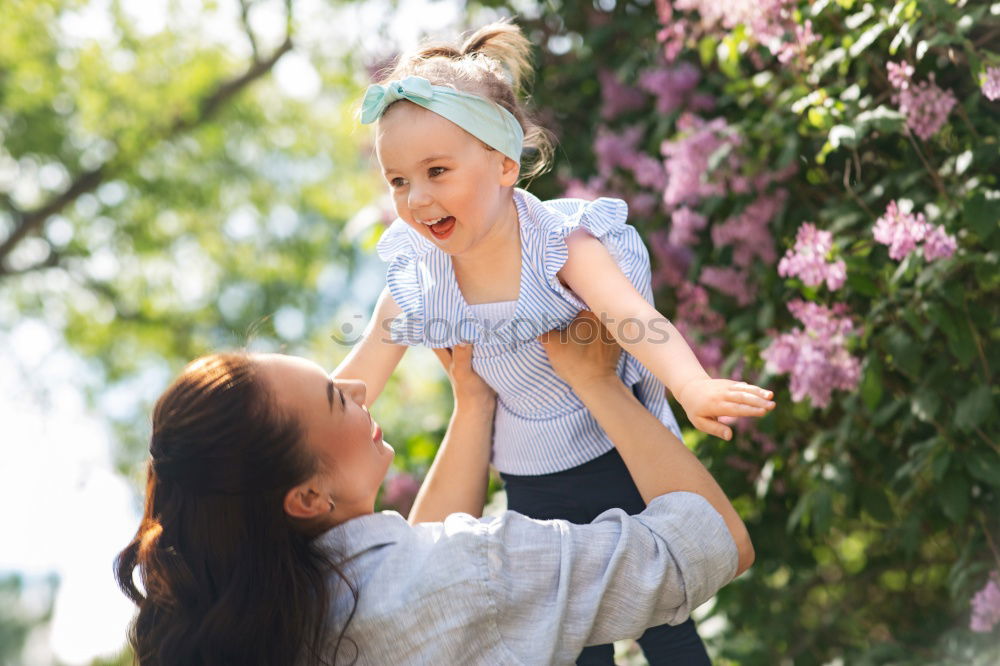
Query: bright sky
<point>62,507</point>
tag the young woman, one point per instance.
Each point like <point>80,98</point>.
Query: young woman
<point>259,543</point>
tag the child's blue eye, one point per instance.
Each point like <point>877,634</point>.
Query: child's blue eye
<point>397,182</point>
<point>436,171</point>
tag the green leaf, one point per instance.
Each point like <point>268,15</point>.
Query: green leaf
<point>954,495</point>
<point>706,50</point>
<point>875,502</point>
<point>956,329</point>
<point>984,465</point>
<point>871,385</point>
<point>982,215</point>
<point>926,402</point>
<point>905,354</point>
<point>940,464</point>
<point>973,409</point>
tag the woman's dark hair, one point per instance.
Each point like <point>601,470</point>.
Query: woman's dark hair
<point>228,576</point>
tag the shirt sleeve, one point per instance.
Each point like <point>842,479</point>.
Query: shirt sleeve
<point>559,587</point>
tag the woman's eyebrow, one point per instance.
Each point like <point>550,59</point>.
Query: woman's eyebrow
<point>329,394</point>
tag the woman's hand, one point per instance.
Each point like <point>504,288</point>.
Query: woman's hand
<point>468,387</point>
<point>584,353</point>
<point>710,404</point>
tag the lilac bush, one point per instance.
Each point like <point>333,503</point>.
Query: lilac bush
<point>819,186</point>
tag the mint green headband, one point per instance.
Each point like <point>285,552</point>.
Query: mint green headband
<point>487,121</point>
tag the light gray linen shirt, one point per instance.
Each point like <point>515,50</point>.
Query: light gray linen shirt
<point>513,590</point>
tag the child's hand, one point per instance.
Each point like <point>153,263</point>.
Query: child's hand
<point>711,403</point>
<point>465,383</point>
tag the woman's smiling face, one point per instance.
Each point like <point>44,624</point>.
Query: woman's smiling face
<point>438,172</point>
<point>336,424</point>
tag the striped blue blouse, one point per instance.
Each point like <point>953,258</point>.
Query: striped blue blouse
<point>541,426</point>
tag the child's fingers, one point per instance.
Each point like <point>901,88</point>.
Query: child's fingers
<point>753,390</point>
<point>748,398</point>
<point>738,409</point>
<point>713,427</point>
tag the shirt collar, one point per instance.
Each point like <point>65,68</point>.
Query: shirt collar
<point>365,532</point>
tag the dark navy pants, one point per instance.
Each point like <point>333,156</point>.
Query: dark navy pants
<point>579,495</point>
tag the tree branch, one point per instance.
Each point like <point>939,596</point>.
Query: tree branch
<point>54,259</point>
<point>30,221</point>
<point>245,18</point>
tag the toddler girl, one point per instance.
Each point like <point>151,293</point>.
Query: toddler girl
<point>473,259</point>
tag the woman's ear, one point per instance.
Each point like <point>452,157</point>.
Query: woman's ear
<point>510,171</point>
<point>303,501</point>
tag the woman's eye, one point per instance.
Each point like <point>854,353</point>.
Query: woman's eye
<point>436,171</point>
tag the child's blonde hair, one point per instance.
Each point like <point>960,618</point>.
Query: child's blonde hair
<point>494,62</point>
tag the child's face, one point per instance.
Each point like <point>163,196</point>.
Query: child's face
<point>436,170</point>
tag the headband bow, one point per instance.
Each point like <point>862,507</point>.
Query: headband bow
<point>487,121</point>
<point>378,98</point>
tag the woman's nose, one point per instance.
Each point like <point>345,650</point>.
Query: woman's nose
<point>355,389</point>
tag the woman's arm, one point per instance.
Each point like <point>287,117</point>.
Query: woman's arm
<point>642,331</point>
<point>374,358</point>
<point>658,462</point>
<point>459,475</point>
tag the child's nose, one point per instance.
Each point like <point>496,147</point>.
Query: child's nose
<point>419,198</point>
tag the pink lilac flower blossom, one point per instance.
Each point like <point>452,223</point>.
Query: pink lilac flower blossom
<point>748,231</point>
<point>924,105</point>
<point>807,260</point>
<point>698,323</point>
<point>686,159</point>
<point>731,282</point>
<point>684,226</point>
<point>939,244</point>
<point>616,150</point>
<point>694,310</point>
<point>672,260</point>
<point>900,231</point>
<point>642,204</point>
<point>670,85</point>
<point>400,491</point>
<point>616,97</point>
<point>900,74</point>
<point>986,606</point>
<point>991,83</point>
<point>795,50</point>
<point>815,356</point>
<point>648,171</point>
<point>590,190</point>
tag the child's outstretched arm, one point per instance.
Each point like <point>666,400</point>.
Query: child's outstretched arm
<point>374,358</point>
<point>641,330</point>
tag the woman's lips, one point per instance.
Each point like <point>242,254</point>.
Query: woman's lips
<point>443,229</point>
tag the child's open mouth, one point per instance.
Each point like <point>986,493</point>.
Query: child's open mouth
<point>443,229</point>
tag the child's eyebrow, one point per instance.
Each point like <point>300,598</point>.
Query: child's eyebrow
<point>432,158</point>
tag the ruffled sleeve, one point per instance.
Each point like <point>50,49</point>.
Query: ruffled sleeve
<point>606,220</point>
<point>401,249</point>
